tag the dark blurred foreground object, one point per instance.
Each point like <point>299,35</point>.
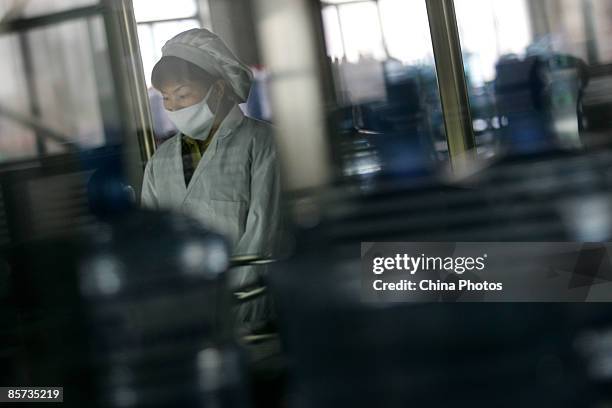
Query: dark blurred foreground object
<point>108,193</point>
<point>348,353</point>
<point>133,312</point>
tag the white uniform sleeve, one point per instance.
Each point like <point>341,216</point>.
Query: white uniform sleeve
<point>264,214</point>
<point>262,228</point>
<point>149,198</point>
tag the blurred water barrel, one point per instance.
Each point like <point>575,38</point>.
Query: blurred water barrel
<point>132,312</point>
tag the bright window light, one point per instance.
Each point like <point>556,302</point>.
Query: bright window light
<point>406,30</point>
<point>361,29</point>
<point>333,33</point>
<point>344,1</point>
<point>154,10</point>
<point>353,29</point>
<point>490,29</point>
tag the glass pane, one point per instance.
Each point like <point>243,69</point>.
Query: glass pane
<point>150,10</point>
<point>68,102</point>
<point>388,117</point>
<point>66,91</point>
<point>537,73</point>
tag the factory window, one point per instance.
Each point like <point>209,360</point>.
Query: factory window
<point>538,76</point>
<point>378,29</point>
<point>538,73</point>
<point>388,117</point>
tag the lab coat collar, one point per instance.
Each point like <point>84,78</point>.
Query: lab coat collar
<point>232,121</point>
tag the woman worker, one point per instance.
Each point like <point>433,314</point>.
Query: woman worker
<point>221,168</point>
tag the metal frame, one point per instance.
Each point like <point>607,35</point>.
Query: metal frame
<point>130,88</point>
<point>589,28</point>
<point>24,24</point>
<point>33,101</point>
<point>451,80</point>
<point>169,20</point>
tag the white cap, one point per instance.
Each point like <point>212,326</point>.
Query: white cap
<point>206,50</point>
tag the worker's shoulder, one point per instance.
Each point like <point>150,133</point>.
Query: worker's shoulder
<point>262,132</point>
<point>259,126</point>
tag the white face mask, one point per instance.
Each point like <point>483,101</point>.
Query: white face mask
<point>195,121</point>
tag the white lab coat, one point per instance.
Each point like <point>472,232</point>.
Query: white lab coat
<point>235,189</point>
